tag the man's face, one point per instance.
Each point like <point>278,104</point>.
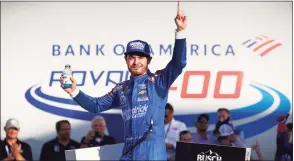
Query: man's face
<point>226,141</point>
<point>223,115</point>
<point>187,137</point>
<point>98,126</point>
<point>11,133</point>
<point>202,124</point>
<point>137,64</point>
<point>232,138</point>
<point>64,131</point>
<point>168,116</point>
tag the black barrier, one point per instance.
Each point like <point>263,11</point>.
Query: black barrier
<point>203,152</point>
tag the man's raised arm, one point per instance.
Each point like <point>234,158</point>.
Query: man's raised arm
<point>178,62</point>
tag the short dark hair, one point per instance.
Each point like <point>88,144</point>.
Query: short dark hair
<point>168,106</point>
<point>216,132</point>
<point>184,132</point>
<point>59,123</point>
<point>223,109</point>
<point>205,116</point>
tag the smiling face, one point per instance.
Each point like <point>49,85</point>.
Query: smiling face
<point>137,63</point>
<point>64,131</point>
<point>11,133</point>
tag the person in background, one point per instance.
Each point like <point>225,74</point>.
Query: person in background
<point>186,136</point>
<point>202,136</point>
<point>230,136</point>
<point>55,149</point>
<point>224,117</point>
<point>172,129</point>
<point>227,137</point>
<point>282,126</point>
<point>285,144</point>
<point>96,136</point>
<point>12,148</point>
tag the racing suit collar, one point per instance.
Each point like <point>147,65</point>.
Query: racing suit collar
<point>140,78</point>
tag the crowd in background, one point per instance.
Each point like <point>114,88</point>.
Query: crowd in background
<point>224,133</point>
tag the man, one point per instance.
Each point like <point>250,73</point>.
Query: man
<point>282,119</point>
<point>202,136</point>
<point>227,137</point>
<point>285,144</point>
<point>54,149</point>
<point>224,117</point>
<point>172,130</point>
<point>96,136</point>
<point>12,148</point>
<point>142,98</point>
<point>282,126</point>
<point>186,136</point>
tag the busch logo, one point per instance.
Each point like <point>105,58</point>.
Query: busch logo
<point>208,156</point>
<point>137,45</point>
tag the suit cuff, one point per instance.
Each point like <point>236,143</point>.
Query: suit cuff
<point>75,93</point>
<point>180,34</point>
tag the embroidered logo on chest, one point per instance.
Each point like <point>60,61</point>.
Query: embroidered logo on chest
<point>144,98</point>
<point>122,98</point>
<point>136,112</point>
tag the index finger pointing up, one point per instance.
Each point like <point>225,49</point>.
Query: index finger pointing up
<point>178,9</point>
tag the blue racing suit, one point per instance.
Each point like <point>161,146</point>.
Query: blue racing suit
<point>142,100</point>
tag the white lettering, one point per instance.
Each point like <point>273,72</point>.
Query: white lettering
<point>201,157</point>
<point>137,112</point>
<point>219,158</point>
<point>137,45</point>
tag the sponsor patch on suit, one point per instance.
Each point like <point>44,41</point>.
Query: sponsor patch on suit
<point>142,86</point>
<point>142,92</point>
<point>144,98</point>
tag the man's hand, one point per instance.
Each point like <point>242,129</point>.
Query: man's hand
<point>89,136</point>
<point>181,19</point>
<point>73,87</point>
<point>10,157</point>
<point>256,147</point>
<point>15,149</point>
<point>16,152</point>
<point>169,146</point>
